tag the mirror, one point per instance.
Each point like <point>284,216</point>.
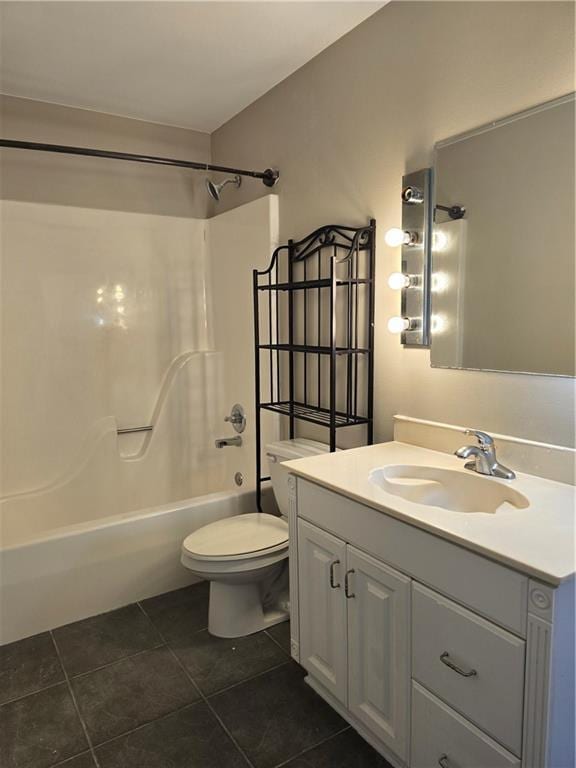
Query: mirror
<point>503,275</point>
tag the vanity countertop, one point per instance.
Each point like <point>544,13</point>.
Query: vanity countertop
<point>538,540</point>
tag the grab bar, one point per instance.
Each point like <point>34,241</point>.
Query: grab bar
<point>130,430</point>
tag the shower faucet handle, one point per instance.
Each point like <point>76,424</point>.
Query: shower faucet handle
<point>237,418</point>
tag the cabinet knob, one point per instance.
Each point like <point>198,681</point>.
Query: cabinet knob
<point>333,584</point>
<point>445,659</point>
<point>347,584</point>
<point>443,761</point>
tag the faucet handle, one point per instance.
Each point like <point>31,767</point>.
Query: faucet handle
<point>485,440</point>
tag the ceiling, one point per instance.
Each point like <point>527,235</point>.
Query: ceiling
<point>190,64</point>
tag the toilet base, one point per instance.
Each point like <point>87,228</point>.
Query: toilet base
<point>236,610</point>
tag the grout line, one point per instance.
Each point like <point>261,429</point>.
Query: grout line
<point>204,699</point>
<point>117,661</point>
<point>313,746</point>
<point>33,693</point>
<point>247,680</point>
<point>75,703</point>
<point>79,674</point>
<point>277,643</point>
<point>147,723</point>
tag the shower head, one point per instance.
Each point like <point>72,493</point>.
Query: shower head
<point>214,190</point>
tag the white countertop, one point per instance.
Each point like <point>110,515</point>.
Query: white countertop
<point>538,540</point>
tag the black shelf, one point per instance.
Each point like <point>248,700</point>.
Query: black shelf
<point>314,322</point>
<point>303,285</point>
<point>312,350</point>
<point>313,414</point>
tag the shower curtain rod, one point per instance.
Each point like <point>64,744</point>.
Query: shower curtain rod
<point>269,177</point>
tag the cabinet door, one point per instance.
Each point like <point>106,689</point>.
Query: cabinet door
<point>321,565</point>
<point>379,649</point>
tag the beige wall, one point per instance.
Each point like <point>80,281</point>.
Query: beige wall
<point>345,127</point>
<point>107,184</point>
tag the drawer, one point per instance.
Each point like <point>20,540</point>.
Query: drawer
<point>441,738</point>
<point>470,663</point>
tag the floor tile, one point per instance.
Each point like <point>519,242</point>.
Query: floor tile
<point>190,738</point>
<point>102,639</point>
<point>134,691</point>
<point>81,761</point>
<point>276,716</point>
<point>40,730</point>
<point>27,666</point>
<point>180,613</point>
<point>216,663</point>
<point>281,634</point>
<point>346,750</point>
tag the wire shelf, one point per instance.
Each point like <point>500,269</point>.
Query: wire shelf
<point>314,414</point>
<point>314,333</point>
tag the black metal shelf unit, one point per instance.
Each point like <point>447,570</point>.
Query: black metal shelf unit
<point>314,332</point>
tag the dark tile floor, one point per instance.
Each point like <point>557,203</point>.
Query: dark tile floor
<point>146,686</point>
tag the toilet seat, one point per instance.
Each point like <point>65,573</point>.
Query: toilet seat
<point>238,538</point>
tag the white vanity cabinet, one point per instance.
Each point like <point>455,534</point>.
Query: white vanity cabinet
<point>355,632</point>
<point>437,655</point>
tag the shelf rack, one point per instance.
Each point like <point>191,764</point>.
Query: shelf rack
<point>314,333</point>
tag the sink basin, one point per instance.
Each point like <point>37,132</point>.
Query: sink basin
<point>447,488</point>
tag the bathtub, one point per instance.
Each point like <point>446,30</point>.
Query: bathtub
<point>73,572</point>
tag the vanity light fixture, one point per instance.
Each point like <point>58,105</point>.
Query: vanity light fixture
<point>396,236</point>
<point>413,276</point>
<point>399,280</point>
<point>398,324</point>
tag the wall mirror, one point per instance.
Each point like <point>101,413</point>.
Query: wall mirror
<point>503,276</point>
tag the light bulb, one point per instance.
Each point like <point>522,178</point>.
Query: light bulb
<point>399,280</point>
<point>398,324</point>
<point>438,324</point>
<point>395,237</point>
<point>439,240</point>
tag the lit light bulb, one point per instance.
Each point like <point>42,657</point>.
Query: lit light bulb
<point>440,282</point>
<point>398,324</point>
<point>395,237</point>
<point>399,280</point>
<point>439,240</point>
<point>438,324</point>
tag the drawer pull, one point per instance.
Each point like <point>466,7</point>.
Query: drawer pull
<point>347,584</point>
<point>332,581</point>
<point>445,659</point>
<point>443,761</point>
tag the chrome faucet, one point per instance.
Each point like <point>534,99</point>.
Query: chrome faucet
<point>222,442</point>
<point>484,462</point>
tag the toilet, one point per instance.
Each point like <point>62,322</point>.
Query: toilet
<point>245,557</point>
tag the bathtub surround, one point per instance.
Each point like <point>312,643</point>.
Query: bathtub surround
<point>347,126</point>
<point>147,685</point>
<point>77,497</point>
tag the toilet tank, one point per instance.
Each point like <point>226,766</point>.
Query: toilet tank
<point>286,450</point>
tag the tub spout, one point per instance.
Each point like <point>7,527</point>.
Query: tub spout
<point>222,442</point>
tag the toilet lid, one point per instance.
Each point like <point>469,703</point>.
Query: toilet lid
<point>239,535</point>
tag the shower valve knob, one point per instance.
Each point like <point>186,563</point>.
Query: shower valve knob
<point>237,418</point>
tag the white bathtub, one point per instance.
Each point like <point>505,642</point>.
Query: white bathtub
<point>78,571</point>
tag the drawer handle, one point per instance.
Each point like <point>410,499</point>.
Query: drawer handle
<point>443,761</point>
<point>332,581</point>
<point>347,584</point>
<point>445,659</point>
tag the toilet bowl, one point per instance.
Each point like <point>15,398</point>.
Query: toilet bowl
<point>245,557</point>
